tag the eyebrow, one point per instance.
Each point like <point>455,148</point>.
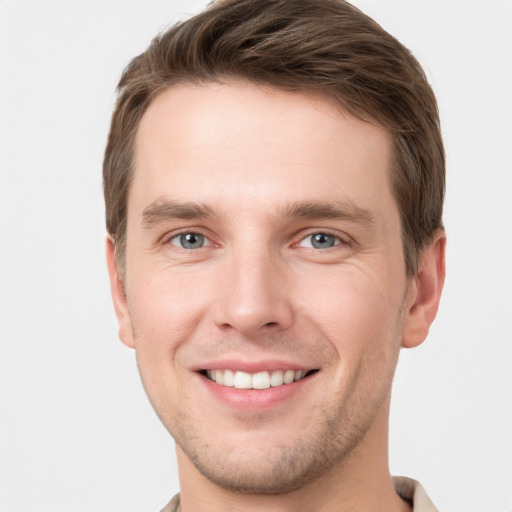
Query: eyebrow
<point>162,209</point>
<point>336,210</point>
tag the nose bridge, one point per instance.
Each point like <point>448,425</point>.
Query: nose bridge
<point>254,293</point>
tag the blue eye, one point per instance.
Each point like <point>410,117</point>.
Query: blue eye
<point>189,241</point>
<point>320,241</point>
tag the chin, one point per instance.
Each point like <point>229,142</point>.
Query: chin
<point>286,473</point>
<point>263,469</point>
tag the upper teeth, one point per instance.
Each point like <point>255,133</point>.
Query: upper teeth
<point>260,380</point>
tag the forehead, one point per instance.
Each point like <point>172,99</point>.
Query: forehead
<point>216,143</point>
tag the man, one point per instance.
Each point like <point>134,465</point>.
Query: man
<point>274,181</point>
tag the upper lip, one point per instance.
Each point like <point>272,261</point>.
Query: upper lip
<point>251,366</point>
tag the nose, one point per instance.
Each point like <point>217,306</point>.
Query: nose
<point>254,298</point>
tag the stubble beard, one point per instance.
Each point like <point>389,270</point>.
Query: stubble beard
<point>341,425</point>
<point>284,469</point>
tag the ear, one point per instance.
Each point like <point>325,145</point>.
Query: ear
<point>425,292</point>
<point>119,298</point>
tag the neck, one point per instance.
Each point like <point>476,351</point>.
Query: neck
<point>360,482</point>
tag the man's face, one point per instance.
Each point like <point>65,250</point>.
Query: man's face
<point>263,246</point>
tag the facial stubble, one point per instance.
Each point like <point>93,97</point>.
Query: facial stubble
<point>340,426</point>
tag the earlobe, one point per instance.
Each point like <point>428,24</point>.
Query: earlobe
<point>119,297</point>
<point>425,292</point>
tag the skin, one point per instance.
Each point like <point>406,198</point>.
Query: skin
<point>259,291</point>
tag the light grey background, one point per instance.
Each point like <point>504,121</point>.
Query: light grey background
<point>76,431</point>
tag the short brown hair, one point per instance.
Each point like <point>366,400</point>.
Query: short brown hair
<point>317,45</point>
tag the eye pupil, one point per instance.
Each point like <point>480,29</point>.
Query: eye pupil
<point>191,240</point>
<point>322,240</point>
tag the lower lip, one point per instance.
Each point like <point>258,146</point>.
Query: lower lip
<point>254,398</point>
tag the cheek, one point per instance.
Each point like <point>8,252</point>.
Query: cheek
<point>343,300</point>
<point>353,312</point>
<point>165,305</point>
<point>165,310</point>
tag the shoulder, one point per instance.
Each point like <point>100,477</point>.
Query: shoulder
<point>173,505</point>
<point>413,492</point>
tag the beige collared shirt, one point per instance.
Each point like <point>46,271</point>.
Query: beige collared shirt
<point>408,489</point>
<point>412,491</point>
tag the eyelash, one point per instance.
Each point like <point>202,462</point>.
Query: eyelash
<point>339,240</point>
<point>189,232</point>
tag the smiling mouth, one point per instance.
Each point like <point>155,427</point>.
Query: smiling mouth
<point>260,380</point>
